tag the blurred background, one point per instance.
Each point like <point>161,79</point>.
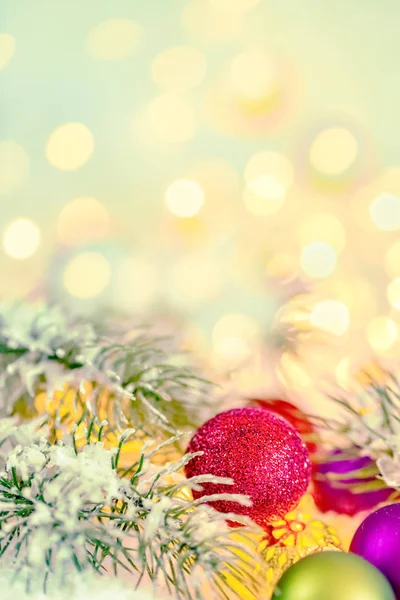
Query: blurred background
<point>224,169</point>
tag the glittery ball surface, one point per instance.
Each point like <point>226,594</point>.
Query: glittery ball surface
<point>263,455</point>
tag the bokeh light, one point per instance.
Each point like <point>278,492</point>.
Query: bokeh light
<point>269,175</point>
<point>179,67</point>
<point>318,260</point>
<point>254,75</point>
<point>385,212</point>
<point>392,260</point>
<point>333,151</point>
<point>264,195</point>
<point>87,275</point>
<point>113,39</point>
<point>81,220</point>
<point>184,198</point>
<point>201,159</point>
<point>357,293</point>
<point>234,337</point>
<point>21,239</point>
<point>330,316</point>
<point>381,333</point>
<point>323,227</point>
<point>7,49</point>
<point>171,117</point>
<point>393,293</point>
<point>70,146</point>
<point>270,163</point>
<point>14,166</point>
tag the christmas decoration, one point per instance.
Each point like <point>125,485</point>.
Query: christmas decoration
<point>250,541</point>
<point>298,534</point>
<point>333,575</point>
<point>124,378</point>
<point>378,541</point>
<point>78,508</point>
<point>347,484</point>
<point>294,416</point>
<point>368,426</point>
<point>197,170</point>
<point>90,479</point>
<point>261,453</point>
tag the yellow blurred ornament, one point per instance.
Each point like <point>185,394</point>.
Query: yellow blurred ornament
<point>72,408</point>
<point>67,401</point>
<point>298,534</point>
<point>246,549</point>
<point>132,449</point>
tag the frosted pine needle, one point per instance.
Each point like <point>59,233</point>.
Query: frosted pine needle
<point>369,424</point>
<point>64,510</point>
<point>44,350</point>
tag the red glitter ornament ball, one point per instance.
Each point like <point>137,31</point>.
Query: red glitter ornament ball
<point>294,415</point>
<point>263,455</point>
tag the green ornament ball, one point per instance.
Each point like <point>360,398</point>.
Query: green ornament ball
<point>333,576</point>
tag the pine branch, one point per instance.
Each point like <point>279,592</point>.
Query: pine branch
<point>64,509</point>
<point>128,381</point>
<point>369,424</point>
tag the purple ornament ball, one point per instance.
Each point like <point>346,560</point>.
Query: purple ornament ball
<point>377,540</point>
<point>337,494</point>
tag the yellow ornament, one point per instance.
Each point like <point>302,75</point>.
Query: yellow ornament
<point>298,534</point>
<point>71,409</point>
<point>245,547</point>
<point>66,403</point>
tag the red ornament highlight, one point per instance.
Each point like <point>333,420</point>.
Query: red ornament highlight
<point>263,455</point>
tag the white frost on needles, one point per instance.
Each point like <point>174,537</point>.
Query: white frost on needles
<point>83,587</point>
<point>33,338</point>
<point>372,423</point>
<point>43,349</point>
<point>41,329</point>
<point>65,509</point>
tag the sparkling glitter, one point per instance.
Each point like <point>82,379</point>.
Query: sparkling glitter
<point>263,455</point>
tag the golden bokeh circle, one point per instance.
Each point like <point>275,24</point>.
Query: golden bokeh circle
<point>87,275</point>
<point>333,151</point>
<point>70,146</point>
<point>21,239</point>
